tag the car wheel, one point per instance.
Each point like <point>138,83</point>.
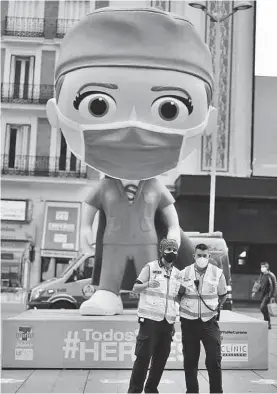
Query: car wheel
<point>63,305</point>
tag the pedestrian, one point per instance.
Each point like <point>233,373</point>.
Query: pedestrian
<point>267,286</point>
<point>202,293</point>
<point>158,285</point>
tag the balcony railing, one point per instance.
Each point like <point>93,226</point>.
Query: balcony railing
<point>63,25</point>
<point>26,93</point>
<point>60,167</point>
<point>24,27</point>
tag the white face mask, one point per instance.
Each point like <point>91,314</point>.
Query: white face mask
<point>263,269</point>
<point>202,262</point>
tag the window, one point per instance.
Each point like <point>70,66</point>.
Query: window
<point>101,4</point>
<point>21,77</point>
<point>84,271</point>
<point>161,4</point>
<point>246,258</point>
<point>70,11</point>
<point>67,160</point>
<point>17,143</point>
<point>53,267</point>
<point>10,275</point>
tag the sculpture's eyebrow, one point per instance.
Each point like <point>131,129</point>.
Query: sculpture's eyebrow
<point>99,84</point>
<point>167,88</point>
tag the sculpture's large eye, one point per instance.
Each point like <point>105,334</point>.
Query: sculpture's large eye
<point>172,109</point>
<point>96,105</point>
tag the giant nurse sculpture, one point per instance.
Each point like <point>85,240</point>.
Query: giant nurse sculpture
<point>132,86</point>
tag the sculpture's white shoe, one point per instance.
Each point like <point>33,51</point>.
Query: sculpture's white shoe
<point>102,303</point>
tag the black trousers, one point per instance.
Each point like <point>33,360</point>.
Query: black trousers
<point>153,343</point>
<point>263,307</point>
<point>193,332</point>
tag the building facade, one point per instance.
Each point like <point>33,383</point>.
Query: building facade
<point>246,185</point>
<point>43,184</point>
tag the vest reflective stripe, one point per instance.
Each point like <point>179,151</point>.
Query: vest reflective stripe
<point>205,297</point>
<point>191,307</point>
<point>142,311</point>
<point>159,303</point>
<point>194,314</point>
<point>158,294</point>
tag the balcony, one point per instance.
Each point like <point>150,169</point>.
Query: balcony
<point>44,166</point>
<point>24,27</point>
<point>63,25</point>
<point>26,93</point>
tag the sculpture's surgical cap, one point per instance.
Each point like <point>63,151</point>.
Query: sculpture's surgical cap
<point>147,38</point>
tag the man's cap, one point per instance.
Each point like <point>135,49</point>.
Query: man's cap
<point>135,37</point>
<point>168,243</point>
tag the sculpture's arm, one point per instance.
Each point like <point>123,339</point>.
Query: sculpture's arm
<point>88,215</point>
<point>172,222</point>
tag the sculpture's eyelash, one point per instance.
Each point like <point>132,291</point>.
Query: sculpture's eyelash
<point>186,101</point>
<point>80,97</point>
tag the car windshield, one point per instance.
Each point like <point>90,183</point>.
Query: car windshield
<point>70,265</point>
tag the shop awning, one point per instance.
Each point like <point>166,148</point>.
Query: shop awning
<point>226,187</point>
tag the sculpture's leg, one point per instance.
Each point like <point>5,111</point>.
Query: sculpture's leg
<point>106,300</point>
<point>143,254</point>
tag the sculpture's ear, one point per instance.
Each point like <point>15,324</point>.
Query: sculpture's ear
<point>51,111</point>
<point>212,121</point>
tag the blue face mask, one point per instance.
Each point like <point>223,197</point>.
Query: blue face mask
<point>132,153</point>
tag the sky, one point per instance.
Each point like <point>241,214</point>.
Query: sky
<point>266,38</point>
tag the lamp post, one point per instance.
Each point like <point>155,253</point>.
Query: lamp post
<point>217,17</point>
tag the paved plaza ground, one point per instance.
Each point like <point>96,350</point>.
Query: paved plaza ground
<point>116,381</point>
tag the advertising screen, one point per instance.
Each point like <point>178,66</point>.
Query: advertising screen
<point>61,229</point>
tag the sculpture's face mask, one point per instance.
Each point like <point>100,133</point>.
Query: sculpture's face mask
<point>129,123</point>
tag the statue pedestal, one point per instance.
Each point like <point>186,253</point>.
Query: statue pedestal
<point>65,339</point>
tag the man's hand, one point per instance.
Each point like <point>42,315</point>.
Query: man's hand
<point>153,284</point>
<point>253,295</point>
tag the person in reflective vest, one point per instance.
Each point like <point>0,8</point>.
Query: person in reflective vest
<point>158,285</point>
<point>202,292</point>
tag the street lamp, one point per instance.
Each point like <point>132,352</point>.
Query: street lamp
<point>217,17</point>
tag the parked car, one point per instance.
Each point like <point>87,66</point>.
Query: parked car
<point>73,286</point>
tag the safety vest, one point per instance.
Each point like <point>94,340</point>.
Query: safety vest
<point>159,303</point>
<point>191,306</point>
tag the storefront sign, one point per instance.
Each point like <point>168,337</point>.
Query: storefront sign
<point>17,231</point>
<point>61,229</point>
<point>13,210</point>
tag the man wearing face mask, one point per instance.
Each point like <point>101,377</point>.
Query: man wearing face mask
<point>267,286</point>
<point>203,291</point>
<point>158,285</point>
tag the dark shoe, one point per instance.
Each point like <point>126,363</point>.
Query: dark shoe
<point>269,326</point>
